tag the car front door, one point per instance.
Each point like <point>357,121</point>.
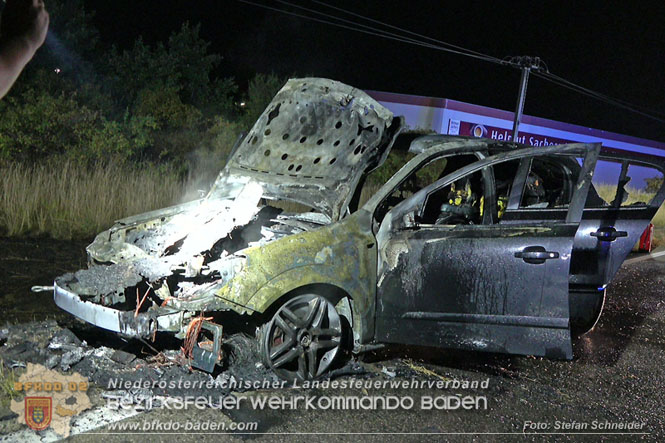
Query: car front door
<point>463,279</point>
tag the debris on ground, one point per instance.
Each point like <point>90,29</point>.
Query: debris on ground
<point>388,372</point>
<point>423,370</point>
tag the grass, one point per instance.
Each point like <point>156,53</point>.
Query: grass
<point>64,200</point>
<point>7,379</point>
<point>607,193</point>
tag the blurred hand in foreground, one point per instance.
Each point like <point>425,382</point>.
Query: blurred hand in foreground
<point>23,28</point>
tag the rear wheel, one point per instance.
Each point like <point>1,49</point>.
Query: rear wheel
<point>303,338</point>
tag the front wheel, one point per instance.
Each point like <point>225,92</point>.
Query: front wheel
<point>303,338</point>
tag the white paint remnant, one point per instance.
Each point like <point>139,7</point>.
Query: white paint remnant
<point>394,250</point>
<point>323,255</point>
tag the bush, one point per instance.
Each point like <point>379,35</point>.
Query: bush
<point>260,92</point>
<point>224,134</point>
<point>39,125</point>
<point>653,184</point>
<point>205,163</point>
<point>165,106</point>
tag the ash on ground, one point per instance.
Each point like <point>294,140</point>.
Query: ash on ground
<point>108,361</point>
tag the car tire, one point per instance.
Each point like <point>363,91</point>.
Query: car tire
<point>303,338</point>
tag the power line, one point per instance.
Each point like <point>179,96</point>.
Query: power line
<point>598,96</point>
<point>295,14</point>
<point>373,30</point>
<point>440,42</point>
<point>535,65</point>
<point>539,69</point>
<point>376,32</point>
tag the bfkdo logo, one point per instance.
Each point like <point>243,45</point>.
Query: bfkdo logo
<point>51,399</point>
<point>38,412</point>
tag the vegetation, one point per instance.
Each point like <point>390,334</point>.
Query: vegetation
<point>65,200</point>
<point>90,134</point>
<point>608,192</point>
<point>653,184</point>
<point>7,379</point>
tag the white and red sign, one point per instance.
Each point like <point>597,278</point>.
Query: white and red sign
<point>457,127</point>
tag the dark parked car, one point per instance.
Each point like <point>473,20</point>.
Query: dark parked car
<point>474,243</point>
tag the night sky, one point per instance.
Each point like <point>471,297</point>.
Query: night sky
<point>611,47</point>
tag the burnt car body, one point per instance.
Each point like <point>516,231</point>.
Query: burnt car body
<point>499,247</point>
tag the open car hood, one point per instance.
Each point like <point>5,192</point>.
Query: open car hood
<point>313,143</point>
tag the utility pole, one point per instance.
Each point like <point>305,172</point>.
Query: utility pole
<point>525,64</point>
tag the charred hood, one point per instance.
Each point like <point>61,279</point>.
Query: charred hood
<point>314,142</point>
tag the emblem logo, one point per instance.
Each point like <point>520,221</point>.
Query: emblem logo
<point>38,412</point>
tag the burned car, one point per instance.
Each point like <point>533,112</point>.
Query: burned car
<point>474,243</point>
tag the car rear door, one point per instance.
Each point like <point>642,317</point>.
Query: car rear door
<point>626,192</point>
<point>630,190</point>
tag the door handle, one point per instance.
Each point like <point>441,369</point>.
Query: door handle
<point>608,234</point>
<point>536,255</point>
